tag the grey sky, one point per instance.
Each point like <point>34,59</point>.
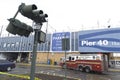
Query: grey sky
<point>68,15</point>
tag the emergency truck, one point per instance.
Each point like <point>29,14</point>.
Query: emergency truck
<point>85,62</point>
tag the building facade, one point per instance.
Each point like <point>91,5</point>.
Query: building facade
<point>19,48</point>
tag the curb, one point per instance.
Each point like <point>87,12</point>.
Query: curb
<point>114,70</point>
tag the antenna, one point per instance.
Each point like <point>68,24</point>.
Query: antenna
<point>109,23</point>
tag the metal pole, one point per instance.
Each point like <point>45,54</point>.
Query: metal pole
<point>48,50</point>
<point>34,56</point>
<point>20,7</point>
<point>1,31</point>
<point>65,58</point>
<point>33,63</point>
<point>48,42</point>
<point>16,14</point>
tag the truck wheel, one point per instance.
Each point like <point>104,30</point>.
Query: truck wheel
<point>87,69</point>
<point>81,68</point>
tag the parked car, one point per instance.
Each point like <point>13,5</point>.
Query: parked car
<point>6,65</point>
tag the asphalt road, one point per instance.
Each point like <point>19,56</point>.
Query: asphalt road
<point>70,73</point>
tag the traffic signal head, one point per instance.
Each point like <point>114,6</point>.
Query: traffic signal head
<point>27,10</point>
<point>17,27</point>
<point>42,17</point>
<point>30,12</point>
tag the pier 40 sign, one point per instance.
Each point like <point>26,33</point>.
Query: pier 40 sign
<point>57,40</point>
<point>101,40</point>
<point>93,43</point>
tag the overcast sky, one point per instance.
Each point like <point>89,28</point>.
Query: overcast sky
<point>67,15</point>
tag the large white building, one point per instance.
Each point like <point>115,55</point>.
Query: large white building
<point>105,41</point>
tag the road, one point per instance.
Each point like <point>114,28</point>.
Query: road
<point>70,73</point>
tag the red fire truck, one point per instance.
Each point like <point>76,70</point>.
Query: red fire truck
<point>85,62</point>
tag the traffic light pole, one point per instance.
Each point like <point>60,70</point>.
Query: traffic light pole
<point>17,27</point>
<point>33,61</point>
<point>34,54</point>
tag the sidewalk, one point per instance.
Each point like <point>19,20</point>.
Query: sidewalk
<point>114,69</point>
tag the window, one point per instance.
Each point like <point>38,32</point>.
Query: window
<point>8,45</point>
<point>12,45</point>
<point>4,45</point>
<point>17,44</point>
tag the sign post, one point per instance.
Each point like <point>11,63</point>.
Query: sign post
<point>65,47</point>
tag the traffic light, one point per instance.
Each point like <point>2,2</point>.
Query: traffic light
<point>42,18</point>
<point>31,12</point>
<point>17,27</point>
<point>27,10</point>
